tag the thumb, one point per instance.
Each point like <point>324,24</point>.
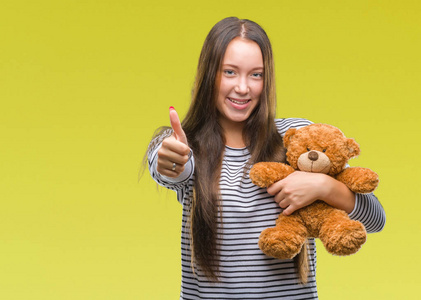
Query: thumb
<point>176,126</point>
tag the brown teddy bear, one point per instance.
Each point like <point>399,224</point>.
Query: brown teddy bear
<point>318,148</point>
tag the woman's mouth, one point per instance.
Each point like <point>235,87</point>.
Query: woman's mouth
<point>239,101</point>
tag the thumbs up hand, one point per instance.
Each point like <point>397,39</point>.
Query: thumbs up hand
<point>174,152</point>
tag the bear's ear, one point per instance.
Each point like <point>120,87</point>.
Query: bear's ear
<point>353,148</point>
<point>288,135</point>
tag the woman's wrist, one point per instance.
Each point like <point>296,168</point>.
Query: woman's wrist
<point>337,194</point>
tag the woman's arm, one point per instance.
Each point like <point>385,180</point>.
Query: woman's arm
<point>369,211</point>
<point>303,188</point>
<point>337,194</point>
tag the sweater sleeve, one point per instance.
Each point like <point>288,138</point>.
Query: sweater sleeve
<point>369,211</point>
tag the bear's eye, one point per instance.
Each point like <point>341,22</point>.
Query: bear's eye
<point>324,150</point>
<point>308,149</point>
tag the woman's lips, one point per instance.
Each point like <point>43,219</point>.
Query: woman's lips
<point>239,104</point>
<point>239,101</point>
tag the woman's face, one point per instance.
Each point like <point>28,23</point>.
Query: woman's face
<point>239,82</point>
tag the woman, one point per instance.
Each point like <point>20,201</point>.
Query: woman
<point>231,125</point>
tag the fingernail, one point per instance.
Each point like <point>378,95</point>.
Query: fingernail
<point>172,107</point>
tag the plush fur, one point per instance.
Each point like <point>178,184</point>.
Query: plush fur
<point>319,148</point>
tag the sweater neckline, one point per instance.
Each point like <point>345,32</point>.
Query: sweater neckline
<point>235,149</point>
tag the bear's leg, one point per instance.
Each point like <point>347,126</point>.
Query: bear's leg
<point>286,239</point>
<point>340,235</point>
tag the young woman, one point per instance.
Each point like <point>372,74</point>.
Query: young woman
<point>231,125</point>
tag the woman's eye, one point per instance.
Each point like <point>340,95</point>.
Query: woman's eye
<point>229,72</point>
<point>259,75</point>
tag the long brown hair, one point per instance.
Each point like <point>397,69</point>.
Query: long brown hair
<point>206,139</point>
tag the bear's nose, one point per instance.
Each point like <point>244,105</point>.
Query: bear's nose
<point>312,155</point>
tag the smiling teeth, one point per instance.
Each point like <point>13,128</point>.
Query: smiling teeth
<point>238,102</point>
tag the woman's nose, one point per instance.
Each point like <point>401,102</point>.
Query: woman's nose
<point>242,87</point>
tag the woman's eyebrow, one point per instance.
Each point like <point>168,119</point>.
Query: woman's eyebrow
<point>236,67</point>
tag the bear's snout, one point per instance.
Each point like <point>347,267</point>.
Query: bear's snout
<point>312,155</point>
<point>314,161</point>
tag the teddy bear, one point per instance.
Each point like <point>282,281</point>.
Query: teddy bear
<point>319,148</point>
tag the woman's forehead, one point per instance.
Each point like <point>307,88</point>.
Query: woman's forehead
<point>241,52</point>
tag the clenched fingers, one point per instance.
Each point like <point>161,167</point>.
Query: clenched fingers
<point>172,156</point>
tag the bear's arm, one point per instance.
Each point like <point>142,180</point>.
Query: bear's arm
<point>264,174</point>
<point>359,180</point>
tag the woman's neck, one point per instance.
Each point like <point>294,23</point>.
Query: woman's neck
<point>235,142</point>
<point>233,134</point>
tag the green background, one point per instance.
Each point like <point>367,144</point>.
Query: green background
<point>83,85</point>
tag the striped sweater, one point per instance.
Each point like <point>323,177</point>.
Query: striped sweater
<point>245,272</point>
